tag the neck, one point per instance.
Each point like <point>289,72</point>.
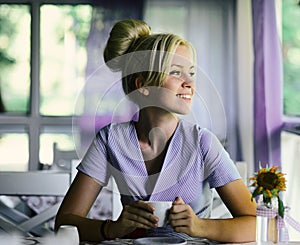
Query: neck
<point>155,127</point>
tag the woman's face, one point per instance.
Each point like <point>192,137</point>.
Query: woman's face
<point>179,85</point>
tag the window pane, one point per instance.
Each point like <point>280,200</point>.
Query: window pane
<point>64,142</point>
<point>64,30</point>
<point>15,57</point>
<point>291,56</point>
<point>14,152</point>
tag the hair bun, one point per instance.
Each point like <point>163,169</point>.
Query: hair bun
<point>122,38</point>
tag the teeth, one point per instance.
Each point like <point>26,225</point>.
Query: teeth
<point>184,96</point>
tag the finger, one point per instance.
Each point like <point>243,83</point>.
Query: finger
<point>179,208</point>
<point>182,229</point>
<point>181,220</point>
<point>179,223</point>
<point>177,216</point>
<point>134,213</point>
<point>143,210</point>
<point>143,205</point>
<point>178,201</point>
<point>141,222</point>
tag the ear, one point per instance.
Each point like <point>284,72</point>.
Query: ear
<point>140,87</point>
<point>138,82</point>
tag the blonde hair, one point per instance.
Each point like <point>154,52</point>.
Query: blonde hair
<point>132,49</point>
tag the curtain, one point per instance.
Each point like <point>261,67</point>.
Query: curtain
<point>210,26</point>
<point>244,70</point>
<point>267,84</point>
<point>212,31</point>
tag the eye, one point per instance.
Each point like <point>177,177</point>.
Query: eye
<point>175,73</point>
<point>192,74</point>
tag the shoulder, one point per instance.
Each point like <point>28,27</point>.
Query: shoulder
<point>204,138</point>
<point>114,132</point>
<point>114,127</point>
<point>198,132</point>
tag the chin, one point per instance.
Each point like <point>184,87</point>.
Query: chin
<point>184,110</point>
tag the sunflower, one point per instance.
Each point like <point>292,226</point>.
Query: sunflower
<point>269,181</point>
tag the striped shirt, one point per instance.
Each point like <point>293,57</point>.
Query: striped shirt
<point>194,163</point>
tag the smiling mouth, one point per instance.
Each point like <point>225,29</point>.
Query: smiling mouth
<point>184,96</point>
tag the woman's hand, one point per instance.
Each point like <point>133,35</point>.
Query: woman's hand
<point>182,218</point>
<point>138,214</point>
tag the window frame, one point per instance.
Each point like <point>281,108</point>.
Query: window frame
<point>33,123</point>
<point>291,124</point>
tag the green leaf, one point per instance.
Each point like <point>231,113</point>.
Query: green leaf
<point>266,199</point>
<point>256,192</point>
<point>280,207</point>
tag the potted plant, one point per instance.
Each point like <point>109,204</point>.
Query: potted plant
<point>268,182</point>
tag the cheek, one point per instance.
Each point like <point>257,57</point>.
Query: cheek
<point>172,84</point>
<point>193,90</point>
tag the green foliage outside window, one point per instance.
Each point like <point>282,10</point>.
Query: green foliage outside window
<point>291,56</point>
<point>64,30</point>
<point>14,57</point>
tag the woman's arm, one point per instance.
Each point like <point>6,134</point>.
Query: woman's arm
<point>80,198</point>
<point>240,228</point>
<point>76,205</point>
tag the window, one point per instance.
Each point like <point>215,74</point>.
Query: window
<point>290,137</point>
<point>291,56</point>
<point>41,74</point>
<point>48,50</point>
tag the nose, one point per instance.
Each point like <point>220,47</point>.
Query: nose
<point>186,85</point>
<point>188,82</point>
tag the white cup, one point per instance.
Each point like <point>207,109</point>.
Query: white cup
<point>161,211</point>
<point>68,234</point>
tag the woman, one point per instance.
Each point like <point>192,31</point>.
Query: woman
<point>158,156</point>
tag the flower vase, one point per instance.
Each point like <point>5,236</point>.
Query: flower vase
<point>266,229</point>
<point>266,223</point>
<point>268,182</point>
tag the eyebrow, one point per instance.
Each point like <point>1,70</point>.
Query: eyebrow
<point>191,67</point>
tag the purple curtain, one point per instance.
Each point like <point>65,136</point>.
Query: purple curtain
<point>267,84</point>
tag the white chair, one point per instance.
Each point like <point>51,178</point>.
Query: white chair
<point>32,183</point>
<point>41,190</point>
<point>62,159</point>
